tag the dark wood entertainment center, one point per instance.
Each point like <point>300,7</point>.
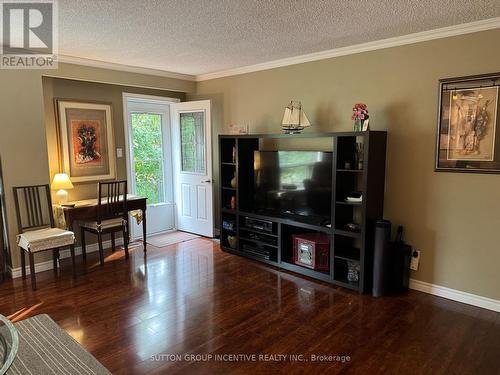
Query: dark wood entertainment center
<point>240,233</point>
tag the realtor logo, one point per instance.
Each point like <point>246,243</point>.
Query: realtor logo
<point>28,34</point>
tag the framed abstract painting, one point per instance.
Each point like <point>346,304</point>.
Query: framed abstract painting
<point>468,135</point>
<point>86,140</point>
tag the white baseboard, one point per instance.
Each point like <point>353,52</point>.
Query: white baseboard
<point>455,295</point>
<point>49,264</point>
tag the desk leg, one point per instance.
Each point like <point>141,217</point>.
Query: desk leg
<point>144,228</point>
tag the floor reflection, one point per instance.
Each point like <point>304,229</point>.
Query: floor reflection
<point>194,298</point>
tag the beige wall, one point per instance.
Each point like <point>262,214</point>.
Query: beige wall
<point>453,218</point>
<point>23,145</point>
<point>54,88</point>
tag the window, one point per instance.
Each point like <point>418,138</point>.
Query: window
<point>148,156</point>
<point>192,142</point>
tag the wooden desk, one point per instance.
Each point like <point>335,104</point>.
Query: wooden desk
<point>87,210</point>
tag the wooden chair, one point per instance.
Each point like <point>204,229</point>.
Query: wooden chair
<point>37,231</point>
<point>112,216</point>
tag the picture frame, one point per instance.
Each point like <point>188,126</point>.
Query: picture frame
<point>468,131</point>
<point>86,140</point>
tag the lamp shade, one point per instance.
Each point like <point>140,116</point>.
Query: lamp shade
<point>61,181</point>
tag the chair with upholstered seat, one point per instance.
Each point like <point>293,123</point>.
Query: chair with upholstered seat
<point>112,216</point>
<point>37,231</point>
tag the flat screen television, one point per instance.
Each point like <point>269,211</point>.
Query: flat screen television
<point>295,183</point>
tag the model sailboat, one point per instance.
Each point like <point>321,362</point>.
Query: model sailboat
<point>294,119</point>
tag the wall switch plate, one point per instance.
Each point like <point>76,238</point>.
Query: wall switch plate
<point>415,259</point>
<point>119,153</point>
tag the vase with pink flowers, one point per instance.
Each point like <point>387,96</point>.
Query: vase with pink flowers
<point>359,116</point>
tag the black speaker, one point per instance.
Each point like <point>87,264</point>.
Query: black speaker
<point>400,264</point>
<point>382,258</point>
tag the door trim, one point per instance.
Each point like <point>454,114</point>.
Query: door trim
<point>147,99</point>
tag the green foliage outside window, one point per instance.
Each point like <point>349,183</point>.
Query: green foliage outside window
<point>148,156</point>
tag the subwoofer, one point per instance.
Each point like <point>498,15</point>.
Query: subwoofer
<point>381,260</point>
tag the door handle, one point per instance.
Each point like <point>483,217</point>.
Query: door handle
<point>207,181</point>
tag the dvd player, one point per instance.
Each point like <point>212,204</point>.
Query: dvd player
<point>258,224</point>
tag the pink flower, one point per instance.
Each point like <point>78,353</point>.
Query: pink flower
<point>360,111</point>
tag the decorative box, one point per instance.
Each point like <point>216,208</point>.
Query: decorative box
<point>312,250</point>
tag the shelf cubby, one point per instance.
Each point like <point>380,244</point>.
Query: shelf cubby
<point>341,270</point>
<point>288,248</point>
<point>228,151</point>
<point>227,196</point>
<point>347,159</point>
<point>347,248</point>
<point>228,173</point>
<point>229,228</point>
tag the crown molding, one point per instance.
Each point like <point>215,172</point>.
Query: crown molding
<point>444,32</point>
<point>124,68</point>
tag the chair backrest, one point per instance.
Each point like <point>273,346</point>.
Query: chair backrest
<point>33,207</point>
<point>112,200</point>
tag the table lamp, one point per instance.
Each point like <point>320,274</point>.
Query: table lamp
<point>61,182</point>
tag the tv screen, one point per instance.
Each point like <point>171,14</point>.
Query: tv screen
<point>293,182</point>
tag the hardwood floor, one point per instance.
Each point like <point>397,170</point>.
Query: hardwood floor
<point>192,298</point>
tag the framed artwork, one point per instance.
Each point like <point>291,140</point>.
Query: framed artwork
<point>468,135</point>
<point>86,140</point>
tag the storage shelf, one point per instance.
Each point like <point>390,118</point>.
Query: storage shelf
<point>305,135</point>
<point>345,245</point>
<point>250,256</point>
<point>258,231</point>
<point>258,242</point>
<point>346,284</point>
<point>347,233</point>
<point>347,203</point>
<point>228,248</point>
<point>346,258</point>
<point>347,254</point>
<point>291,222</point>
<point>305,271</point>
<point>350,170</point>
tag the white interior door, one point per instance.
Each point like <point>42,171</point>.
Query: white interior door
<point>193,167</point>
<point>149,160</point>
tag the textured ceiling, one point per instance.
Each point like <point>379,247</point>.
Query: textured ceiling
<point>202,36</point>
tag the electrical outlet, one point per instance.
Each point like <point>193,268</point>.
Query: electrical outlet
<point>415,259</point>
<point>119,153</point>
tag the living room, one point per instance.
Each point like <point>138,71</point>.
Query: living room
<point>221,191</point>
